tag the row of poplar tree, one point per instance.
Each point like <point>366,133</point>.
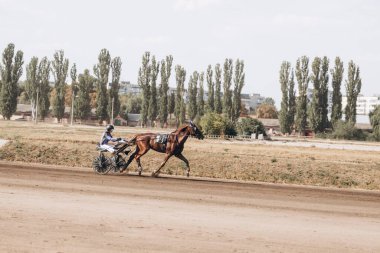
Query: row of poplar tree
<point>38,89</point>
<point>298,113</point>
<point>157,103</point>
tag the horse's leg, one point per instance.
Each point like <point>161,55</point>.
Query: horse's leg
<point>137,158</point>
<point>139,167</point>
<point>130,159</point>
<point>156,172</point>
<point>180,156</point>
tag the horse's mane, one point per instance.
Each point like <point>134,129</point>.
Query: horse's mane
<point>181,128</point>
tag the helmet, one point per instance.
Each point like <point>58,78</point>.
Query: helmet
<point>109,128</point>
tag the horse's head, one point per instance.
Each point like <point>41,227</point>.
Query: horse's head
<point>195,131</point>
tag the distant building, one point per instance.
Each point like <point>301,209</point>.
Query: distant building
<point>252,101</point>
<point>129,88</point>
<point>364,105</point>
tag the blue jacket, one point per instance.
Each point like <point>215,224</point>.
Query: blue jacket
<point>106,137</point>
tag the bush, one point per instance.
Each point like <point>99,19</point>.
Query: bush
<point>229,129</point>
<point>374,118</point>
<point>216,124</point>
<point>374,136</point>
<point>248,126</point>
<point>347,131</point>
<point>266,111</point>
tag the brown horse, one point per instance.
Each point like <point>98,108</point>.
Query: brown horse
<point>173,146</point>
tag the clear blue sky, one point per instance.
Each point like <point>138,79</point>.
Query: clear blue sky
<point>200,32</point>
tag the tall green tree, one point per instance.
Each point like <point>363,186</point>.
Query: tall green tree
<point>353,86</point>
<point>82,105</point>
<point>316,106</point>
<point>166,68</point>
<point>210,85</point>
<point>200,100</point>
<point>192,89</point>
<point>101,71</point>
<point>374,118</point>
<point>180,107</point>
<point>239,81</point>
<point>285,126</point>
<point>32,84</point>
<point>302,75</point>
<point>227,95</point>
<point>113,92</point>
<point>144,83</point>
<point>44,88</point>
<point>292,102</point>
<point>182,117</point>
<point>60,66</point>
<point>73,75</point>
<point>153,105</point>
<point>171,104</point>
<point>337,77</point>
<point>324,94</point>
<point>10,71</point>
<point>218,82</point>
<point>74,87</point>
<point>177,106</point>
<point>319,104</point>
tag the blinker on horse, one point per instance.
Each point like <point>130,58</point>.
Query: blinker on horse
<point>174,146</point>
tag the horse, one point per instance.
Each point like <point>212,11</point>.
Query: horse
<point>173,146</point>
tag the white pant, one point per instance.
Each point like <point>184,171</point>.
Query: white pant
<point>108,148</point>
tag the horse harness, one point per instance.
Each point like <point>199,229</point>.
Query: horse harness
<point>164,138</point>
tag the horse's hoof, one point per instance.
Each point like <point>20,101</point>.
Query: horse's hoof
<point>155,174</point>
<point>139,173</point>
<point>188,174</point>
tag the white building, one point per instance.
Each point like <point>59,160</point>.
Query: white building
<point>129,88</point>
<point>252,101</point>
<point>364,105</point>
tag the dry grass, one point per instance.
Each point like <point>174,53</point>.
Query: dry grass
<point>252,161</point>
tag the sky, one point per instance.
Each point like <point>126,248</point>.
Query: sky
<point>200,32</point>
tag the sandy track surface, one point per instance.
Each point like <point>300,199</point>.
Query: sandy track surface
<point>57,209</point>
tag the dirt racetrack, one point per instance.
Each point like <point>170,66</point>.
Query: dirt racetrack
<point>58,209</point>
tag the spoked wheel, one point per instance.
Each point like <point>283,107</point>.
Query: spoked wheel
<point>102,165</point>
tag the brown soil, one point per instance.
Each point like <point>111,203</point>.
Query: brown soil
<point>239,160</point>
<point>60,209</point>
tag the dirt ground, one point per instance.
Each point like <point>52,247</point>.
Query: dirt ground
<point>342,164</point>
<point>45,208</point>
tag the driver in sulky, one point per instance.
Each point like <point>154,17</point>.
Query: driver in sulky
<point>107,137</point>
